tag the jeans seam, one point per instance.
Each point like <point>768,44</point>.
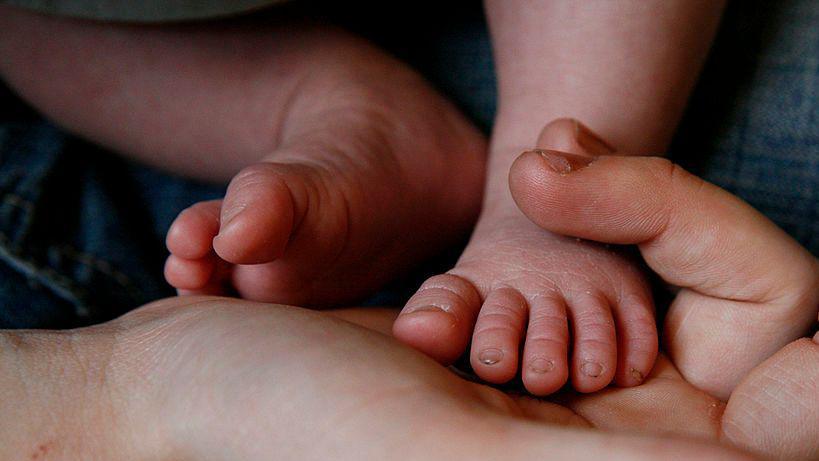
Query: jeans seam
<point>62,285</point>
<point>18,202</point>
<point>99,264</point>
<point>67,288</point>
<point>72,253</point>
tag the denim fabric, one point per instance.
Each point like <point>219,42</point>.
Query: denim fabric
<point>754,119</point>
<point>82,231</point>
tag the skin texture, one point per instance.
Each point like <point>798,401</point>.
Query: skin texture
<point>578,311</point>
<point>563,293</point>
<point>210,378</point>
<point>210,366</point>
<point>351,156</point>
<point>338,153</point>
<point>217,378</point>
<point>732,312</point>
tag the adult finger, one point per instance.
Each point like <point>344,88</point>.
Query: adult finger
<point>773,411</point>
<point>748,288</point>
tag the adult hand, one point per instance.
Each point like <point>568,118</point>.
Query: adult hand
<point>746,288</point>
<point>226,379</point>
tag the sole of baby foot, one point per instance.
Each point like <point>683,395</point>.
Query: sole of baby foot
<point>317,233</point>
<point>358,189</point>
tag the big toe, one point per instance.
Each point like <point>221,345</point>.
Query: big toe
<point>438,320</point>
<point>257,214</point>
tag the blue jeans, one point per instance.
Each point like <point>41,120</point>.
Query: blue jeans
<point>82,230</point>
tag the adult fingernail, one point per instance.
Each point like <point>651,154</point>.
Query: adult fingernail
<point>564,162</point>
<point>590,141</point>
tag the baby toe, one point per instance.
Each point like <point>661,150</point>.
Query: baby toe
<point>211,289</point>
<point>545,367</point>
<point>257,215</point>
<point>439,318</point>
<point>594,357</point>
<point>498,332</point>
<point>191,234</point>
<point>637,343</point>
<point>188,274</point>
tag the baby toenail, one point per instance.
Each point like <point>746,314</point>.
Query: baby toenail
<point>490,356</point>
<point>563,162</point>
<point>589,140</point>
<point>637,375</point>
<point>429,308</point>
<point>542,365</point>
<point>591,369</point>
<point>229,215</point>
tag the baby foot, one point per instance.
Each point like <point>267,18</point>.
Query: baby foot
<point>358,190</point>
<point>578,309</point>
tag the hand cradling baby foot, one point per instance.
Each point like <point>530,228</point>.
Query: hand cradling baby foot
<point>528,301</point>
<point>743,287</point>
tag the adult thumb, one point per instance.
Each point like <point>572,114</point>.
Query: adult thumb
<point>747,287</point>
